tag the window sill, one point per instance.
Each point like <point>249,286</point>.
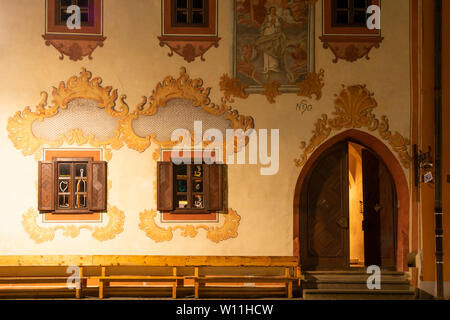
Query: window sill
<point>189,211</point>
<point>350,47</point>
<point>189,47</point>
<point>76,47</point>
<point>71,212</point>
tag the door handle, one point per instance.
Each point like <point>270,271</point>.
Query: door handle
<point>377,207</point>
<point>343,222</point>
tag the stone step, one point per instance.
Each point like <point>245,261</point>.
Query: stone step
<point>349,272</point>
<point>339,277</point>
<point>354,284</point>
<point>353,278</point>
<point>356,294</point>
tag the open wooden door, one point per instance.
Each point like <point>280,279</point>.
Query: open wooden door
<point>324,236</point>
<point>380,212</point>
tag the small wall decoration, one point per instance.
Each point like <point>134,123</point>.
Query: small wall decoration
<point>274,41</point>
<point>303,107</point>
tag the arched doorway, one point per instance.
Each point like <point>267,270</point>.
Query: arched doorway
<point>325,234</point>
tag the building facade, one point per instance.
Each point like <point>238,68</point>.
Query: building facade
<point>330,175</point>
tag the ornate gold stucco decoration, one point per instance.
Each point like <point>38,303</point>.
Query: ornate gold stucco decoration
<point>40,234</point>
<point>82,86</point>
<point>311,85</point>
<point>170,88</point>
<point>353,109</point>
<point>232,87</point>
<point>271,91</point>
<point>85,87</point>
<point>216,234</point>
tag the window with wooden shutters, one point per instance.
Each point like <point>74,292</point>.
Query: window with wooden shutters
<point>190,188</point>
<point>72,185</point>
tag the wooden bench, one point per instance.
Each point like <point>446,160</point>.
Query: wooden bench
<point>290,266</point>
<point>201,270</point>
<point>104,280</point>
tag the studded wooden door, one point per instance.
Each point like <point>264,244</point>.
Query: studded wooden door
<point>380,213</point>
<point>324,211</point>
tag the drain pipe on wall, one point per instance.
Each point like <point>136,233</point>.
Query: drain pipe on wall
<point>438,150</point>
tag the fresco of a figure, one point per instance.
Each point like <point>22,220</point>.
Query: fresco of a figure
<point>271,41</point>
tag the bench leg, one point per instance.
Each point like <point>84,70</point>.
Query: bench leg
<point>289,289</point>
<point>196,289</point>
<point>287,273</point>
<point>100,289</point>
<point>196,284</point>
<point>101,285</point>
<point>175,284</point>
<point>174,290</point>
<point>78,285</point>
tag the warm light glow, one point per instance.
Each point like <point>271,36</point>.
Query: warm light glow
<point>355,205</point>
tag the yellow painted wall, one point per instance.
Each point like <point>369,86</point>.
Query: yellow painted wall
<point>133,62</point>
<point>427,139</point>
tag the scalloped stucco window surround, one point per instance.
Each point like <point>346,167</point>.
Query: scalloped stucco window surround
<point>74,43</point>
<point>345,30</point>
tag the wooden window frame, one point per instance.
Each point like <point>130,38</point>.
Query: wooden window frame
<point>189,193</point>
<point>190,10</point>
<point>170,28</point>
<point>330,29</point>
<point>90,10</point>
<point>48,182</point>
<point>209,199</point>
<point>348,43</point>
<point>53,27</point>
<point>74,43</point>
<point>73,193</point>
<point>189,41</point>
<point>351,10</point>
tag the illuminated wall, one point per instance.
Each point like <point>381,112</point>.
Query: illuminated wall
<point>133,62</point>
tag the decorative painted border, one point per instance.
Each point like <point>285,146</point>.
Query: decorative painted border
<point>353,109</point>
